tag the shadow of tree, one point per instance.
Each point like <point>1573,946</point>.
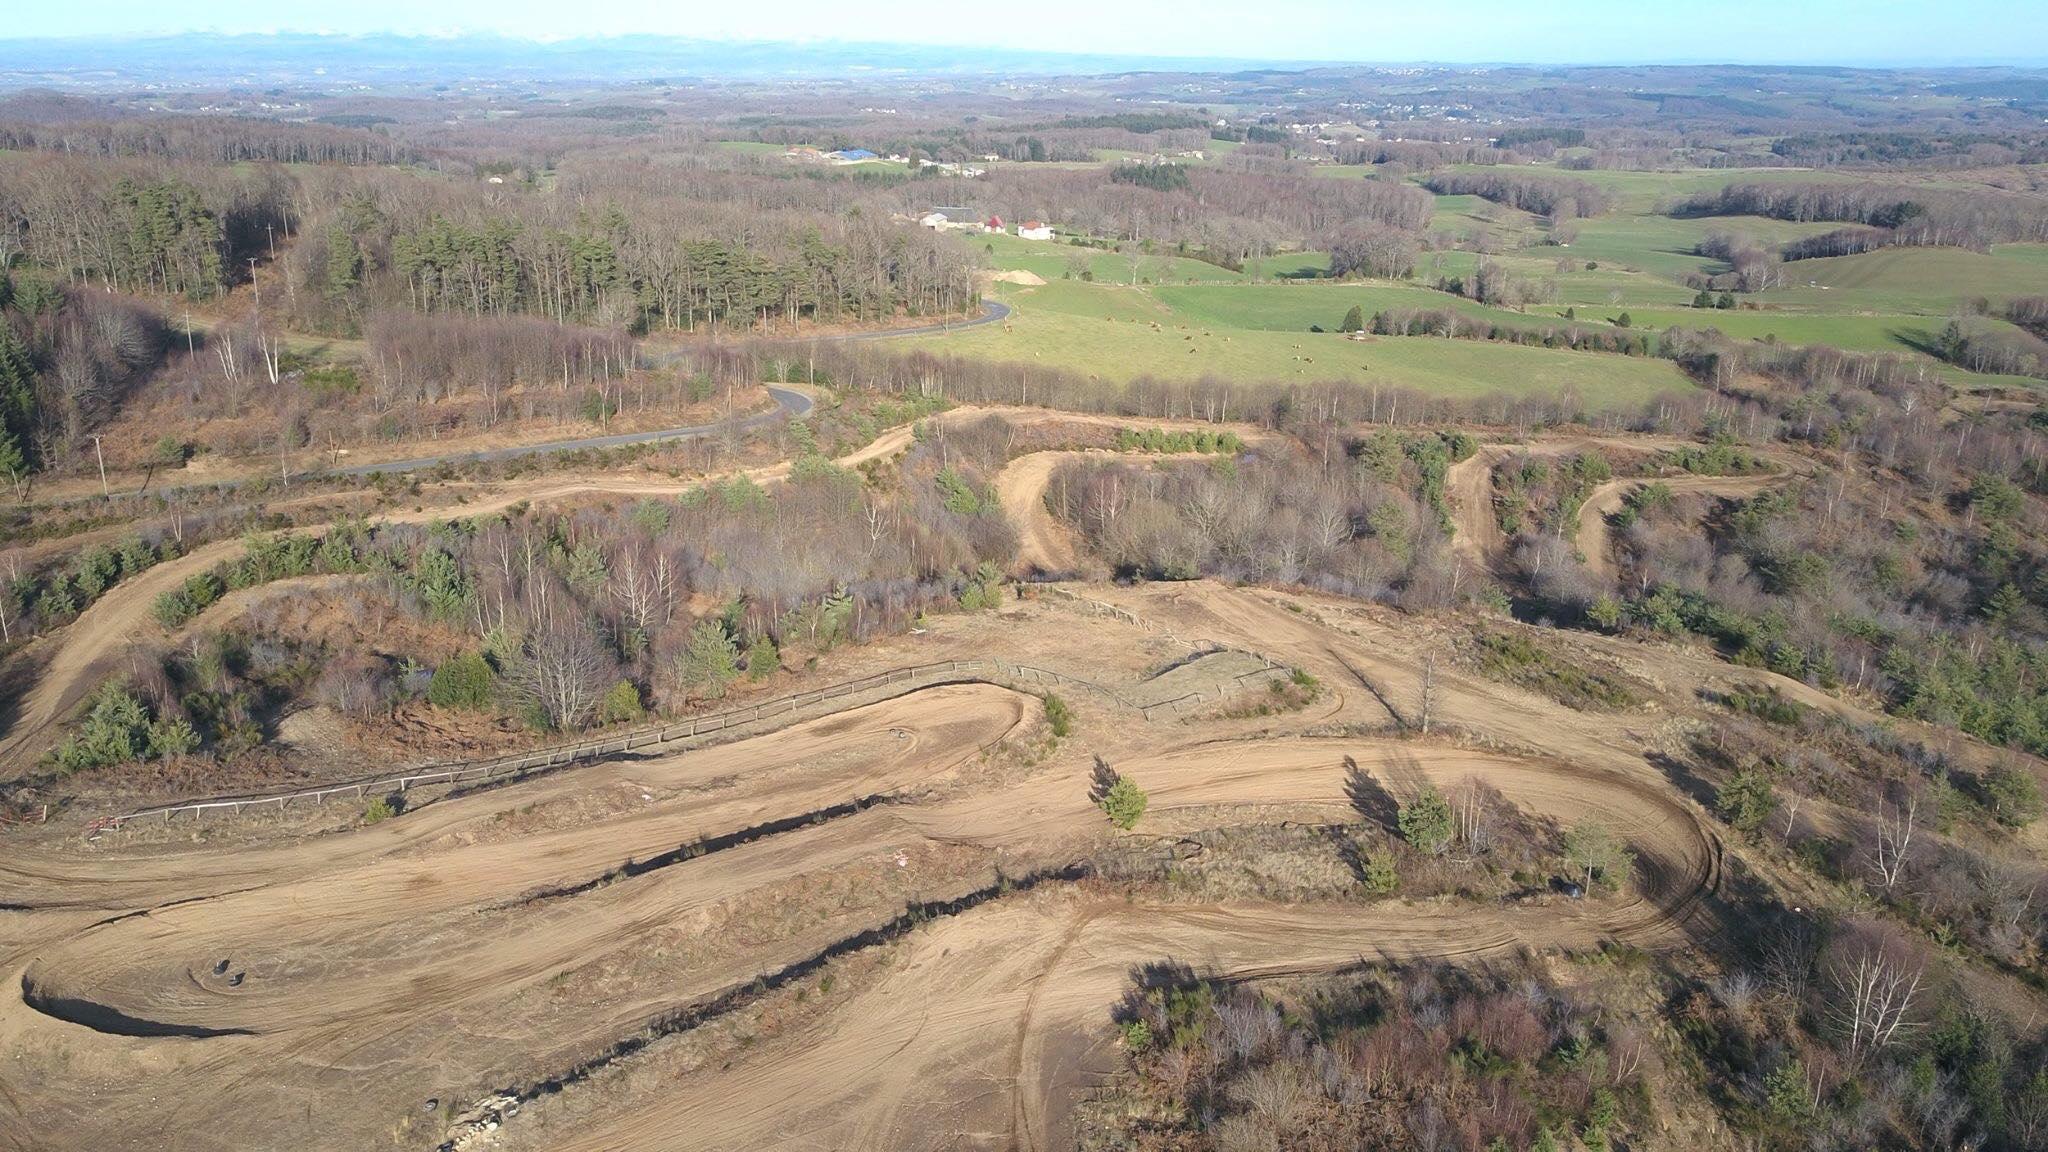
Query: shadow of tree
<point>1683,778</point>
<point>1369,798</point>
<point>1101,780</point>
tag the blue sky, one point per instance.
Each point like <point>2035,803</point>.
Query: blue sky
<point>1775,31</point>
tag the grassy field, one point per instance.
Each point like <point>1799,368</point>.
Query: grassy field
<point>751,147</point>
<point>1926,281</point>
<point>1096,312</point>
<point>1055,260</point>
<point>1294,307</point>
<point>1642,193</point>
<point>1664,247</point>
<point>1120,333</point>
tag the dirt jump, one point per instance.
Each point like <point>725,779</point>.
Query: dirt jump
<point>498,941</point>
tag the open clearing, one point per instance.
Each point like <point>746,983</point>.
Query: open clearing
<point>547,937</point>
<point>471,943</point>
<point>1119,333</point>
<point>1635,259</point>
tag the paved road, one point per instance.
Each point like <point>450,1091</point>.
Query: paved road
<point>991,311</point>
<point>790,403</point>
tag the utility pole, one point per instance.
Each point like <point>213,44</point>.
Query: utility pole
<point>103,464</point>
<point>1428,689</point>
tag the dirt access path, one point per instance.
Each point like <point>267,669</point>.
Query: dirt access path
<point>85,652</point>
<point>791,401</point>
<point>1044,545</point>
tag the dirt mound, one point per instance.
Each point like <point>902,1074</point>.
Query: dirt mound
<point>1019,276</point>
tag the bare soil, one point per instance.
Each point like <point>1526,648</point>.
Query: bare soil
<point>611,941</point>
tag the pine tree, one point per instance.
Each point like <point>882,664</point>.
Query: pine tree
<point>344,264</point>
<point>1426,823</point>
<point>710,659</point>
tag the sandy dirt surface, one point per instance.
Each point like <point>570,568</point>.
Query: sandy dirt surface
<point>320,990</point>
<point>360,985</point>
<point>1044,545</point>
<point>235,995</point>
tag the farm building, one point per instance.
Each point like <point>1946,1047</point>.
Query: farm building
<point>852,155</point>
<point>954,219</point>
<point>1034,230</point>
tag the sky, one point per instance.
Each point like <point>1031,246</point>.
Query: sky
<point>1468,31</point>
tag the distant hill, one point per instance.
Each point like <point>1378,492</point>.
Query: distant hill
<point>202,59</point>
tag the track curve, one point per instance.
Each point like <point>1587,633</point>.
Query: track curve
<point>405,957</point>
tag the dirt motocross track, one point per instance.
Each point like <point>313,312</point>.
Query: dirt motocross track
<point>313,994</point>
<point>223,992</point>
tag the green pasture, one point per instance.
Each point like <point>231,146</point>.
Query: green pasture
<point>1931,281</point>
<point>1640,193</point>
<point>1187,318</point>
<point>1665,247</point>
<point>1056,259</point>
<point>1120,333</point>
<point>1294,307</point>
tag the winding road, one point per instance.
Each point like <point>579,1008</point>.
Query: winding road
<point>791,403</point>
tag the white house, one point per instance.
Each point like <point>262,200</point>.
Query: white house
<point>1034,230</point>
<point>934,220</point>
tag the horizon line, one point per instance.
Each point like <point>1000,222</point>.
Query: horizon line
<point>799,43</point>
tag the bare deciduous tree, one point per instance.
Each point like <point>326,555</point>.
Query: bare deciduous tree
<point>561,671</point>
<point>1876,986</point>
<point>1894,841</point>
<point>1473,806</point>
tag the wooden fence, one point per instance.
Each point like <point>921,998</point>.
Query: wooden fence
<point>893,682</point>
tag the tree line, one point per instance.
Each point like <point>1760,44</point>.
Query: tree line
<point>1889,215</point>
<point>207,140</point>
<point>627,258</point>
<point>1556,197</point>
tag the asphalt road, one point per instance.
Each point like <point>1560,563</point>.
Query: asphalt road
<point>790,404</point>
<point>793,404</point>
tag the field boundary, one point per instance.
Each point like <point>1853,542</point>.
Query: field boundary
<point>891,683</point>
